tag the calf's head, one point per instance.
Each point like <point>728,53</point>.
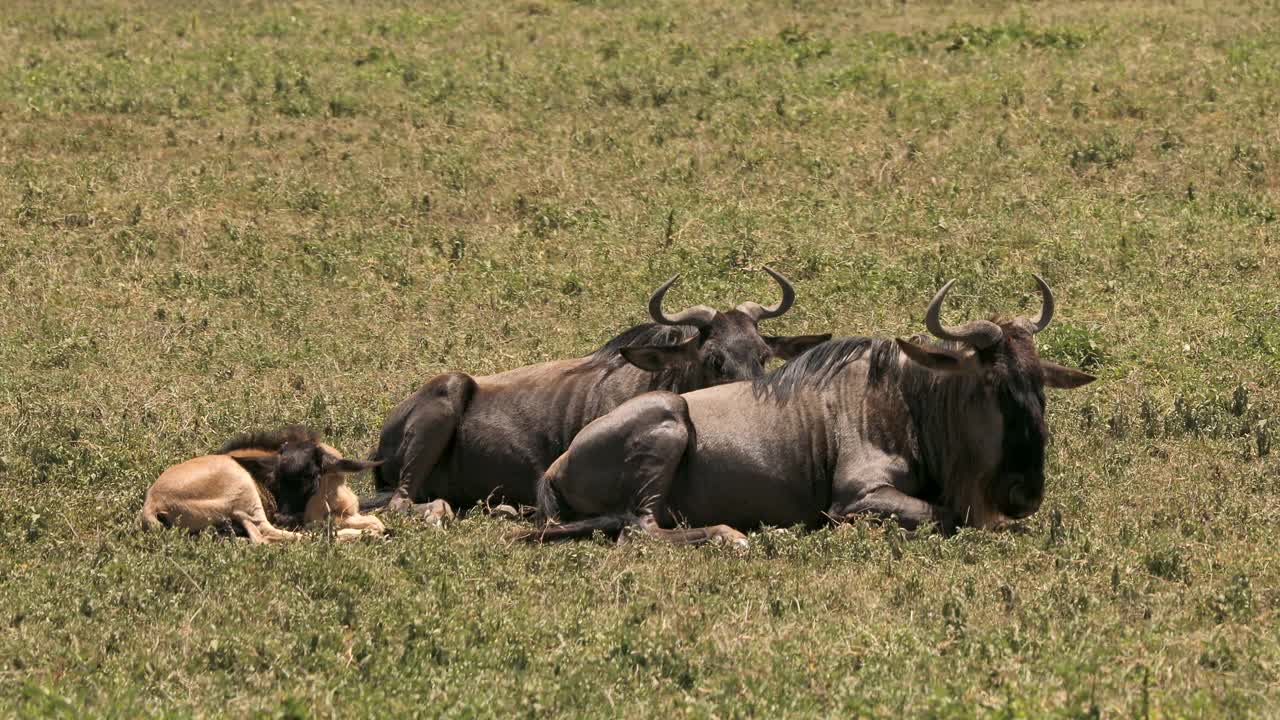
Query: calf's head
<point>304,463</point>
<point>728,346</point>
<point>999,416</point>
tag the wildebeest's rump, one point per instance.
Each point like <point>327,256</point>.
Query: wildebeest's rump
<point>257,481</point>
<point>462,439</point>
<point>950,433</point>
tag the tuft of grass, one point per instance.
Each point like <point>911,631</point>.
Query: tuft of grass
<point>1105,150</point>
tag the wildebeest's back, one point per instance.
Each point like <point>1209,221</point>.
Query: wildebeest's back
<point>195,494</point>
<point>518,423</point>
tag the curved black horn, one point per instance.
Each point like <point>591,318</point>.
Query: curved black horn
<point>1041,321</point>
<point>978,333</point>
<point>699,315</point>
<point>759,312</point>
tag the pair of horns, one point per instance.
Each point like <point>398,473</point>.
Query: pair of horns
<point>983,333</point>
<point>701,316</point>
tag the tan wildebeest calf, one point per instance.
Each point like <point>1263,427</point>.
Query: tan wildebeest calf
<point>258,478</point>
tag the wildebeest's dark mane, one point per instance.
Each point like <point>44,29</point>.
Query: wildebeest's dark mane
<point>269,440</point>
<point>816,366</point>
<point>820,364</point>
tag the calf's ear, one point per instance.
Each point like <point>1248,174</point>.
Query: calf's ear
<point>787,347</point>
<point>1062,377</point>
<point>939,360</point>
<point>662,357</point>
<point>261,467</point>
<point>347,465</point>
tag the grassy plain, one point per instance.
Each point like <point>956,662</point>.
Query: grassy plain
<point>220,216</point>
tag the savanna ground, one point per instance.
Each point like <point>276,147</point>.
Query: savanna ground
<point>236,215</point>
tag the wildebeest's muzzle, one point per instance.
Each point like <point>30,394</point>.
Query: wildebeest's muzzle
<point>1018,496</point>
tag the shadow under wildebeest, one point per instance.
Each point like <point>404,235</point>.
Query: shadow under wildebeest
<point>460,439</point>
<point>948,433</point>
<point>257,481</point>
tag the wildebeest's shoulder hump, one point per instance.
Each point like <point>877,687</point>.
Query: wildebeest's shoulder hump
<point>815,367</point>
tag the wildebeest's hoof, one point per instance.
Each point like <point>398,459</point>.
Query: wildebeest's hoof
<point>436,513</point>
<point>400,504</point>
<point>521,535</point>
<point>1016,527</point>
<point>506,512</point>
<point>725,535</point>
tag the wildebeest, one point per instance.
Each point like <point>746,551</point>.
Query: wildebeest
<point>461,439</point>
<point>950,433</point>
<point>258,480</point>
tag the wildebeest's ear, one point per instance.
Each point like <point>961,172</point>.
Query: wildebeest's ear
<point>789,346</point>
<point>1062,377</point>
<point>939,359</point>
<point>261,467</point>
<point>347,465</point>
<point>661,357</point>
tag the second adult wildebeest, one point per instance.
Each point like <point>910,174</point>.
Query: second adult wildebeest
<point>461,439</point>
<point>949,433</point>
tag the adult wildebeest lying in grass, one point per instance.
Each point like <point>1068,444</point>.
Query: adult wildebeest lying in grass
<point>459,439</point>
<point>950,433</point>
<point>258,478</point>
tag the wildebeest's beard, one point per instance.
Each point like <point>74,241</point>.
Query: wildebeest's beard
<point>1018,487</point>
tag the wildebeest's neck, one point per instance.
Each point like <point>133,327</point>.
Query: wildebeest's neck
<point>937,422</point>
<point>261,466</point>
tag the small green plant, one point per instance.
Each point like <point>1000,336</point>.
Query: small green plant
<point>1106,151</point>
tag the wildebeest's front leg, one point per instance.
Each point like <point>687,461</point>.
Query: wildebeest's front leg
<point>875,488</point>
<point>362,524</point>
<point>352,527</point>
<point>692,536</point>
<point>259,529</point>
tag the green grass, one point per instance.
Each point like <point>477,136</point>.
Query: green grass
<point>235,215</point>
